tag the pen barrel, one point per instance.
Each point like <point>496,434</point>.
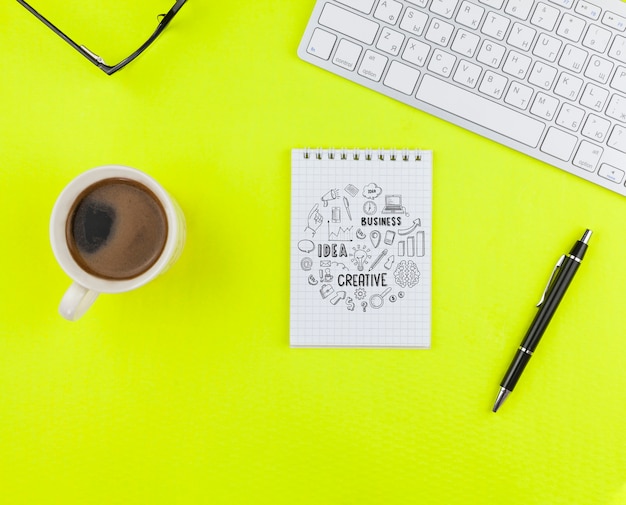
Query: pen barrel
<point>515,370</point>
<point>548,308</point>
<point>541,321</point>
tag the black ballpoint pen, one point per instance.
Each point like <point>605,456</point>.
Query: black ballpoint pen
<point>558,283</point>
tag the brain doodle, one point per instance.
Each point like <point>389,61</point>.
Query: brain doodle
<point>406,274</point>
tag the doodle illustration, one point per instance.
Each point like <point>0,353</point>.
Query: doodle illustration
<point>360,257</point>
<point>370,208</point>
<point>306,246</point>
<point>339,295</point>
<point>346,204</point>
<point>393,205</point>
<point>375,238</point>
<point>315,219</point>
<point>377,260</point>
<point>340,235</point>
<point>326,290</point>
<point>406,274</point>
<point>390,236</point>
<point>352,190</point>
<point>378,300</point>
<point>419,244</point>
<point>360,294</point>
<point>330,195</point>
<point>372,191</point>
<point>407,231</point>
<point>389,262</point>
<point>363,274</point>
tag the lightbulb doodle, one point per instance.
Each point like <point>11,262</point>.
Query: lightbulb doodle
<point>360,248</point>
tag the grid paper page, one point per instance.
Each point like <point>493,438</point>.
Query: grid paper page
<point>361,248</point>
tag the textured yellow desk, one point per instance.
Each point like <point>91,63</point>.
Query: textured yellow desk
<point>186,391</point>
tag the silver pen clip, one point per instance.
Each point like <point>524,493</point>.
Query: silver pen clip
<point>552,275</point>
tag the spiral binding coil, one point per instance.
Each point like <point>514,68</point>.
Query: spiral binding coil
<point>366,154</point>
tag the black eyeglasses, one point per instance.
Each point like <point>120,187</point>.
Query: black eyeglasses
<point>93,57</point>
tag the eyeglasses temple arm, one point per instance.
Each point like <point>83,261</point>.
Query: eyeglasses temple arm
<point>91,56</point>
<point>160,27</point>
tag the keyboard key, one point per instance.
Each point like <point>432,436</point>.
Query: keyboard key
<point>480,111</point>
<point>373,65</point>
<point>519,95</point>
<point>491,53</point>
<point>618,49</point>
<point>547,47</point>
<point>365,6</point>
<point>439,32</point>
<point>414,21</point>
<point>563,3</point>
<point>568,86</point>
<point>614,21</point>
<point>573,58</point>
<point>542,75</point>
<point>571,27</point>
<point>516,64</point>
<point>597,38</point>
<point>390,41</point>
<point>441,63</point>
<point>465,43</point>
<point>545,16</point>
<point>594,97</point>
<point>493,85</point>
<point>598,69</point>
<point>348,23</point>
<point>611,173</point>
<point>444,8</point>
<point>419,3</point>
<point>588,156</point>
<point>388,11</point>
<point>559,144</point>
<point>617,139</point>
<point>544,106</point>
<point>496,4</point>
<point>401,78</point>
<point>347,54</point>
<point>617,108</point>
<point>519,8</point>
<point>495,25</point>
<point>619,79</point>
<point>588,10</point>
<point>321,44</point>
<point>570,117</point>
<point>522,36</point>
<point>416,52</point>
<point>596,128</point>
<point>470,15</point>
<point>467,74</point>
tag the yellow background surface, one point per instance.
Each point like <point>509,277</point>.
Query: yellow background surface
<point>186,391</point>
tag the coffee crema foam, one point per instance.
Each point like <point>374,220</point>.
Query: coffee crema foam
<point>117,229</point>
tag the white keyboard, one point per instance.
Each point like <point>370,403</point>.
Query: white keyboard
<point>547,78</point>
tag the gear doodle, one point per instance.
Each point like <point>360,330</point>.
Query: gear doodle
<point>360,293</point>
<point>406,274</point>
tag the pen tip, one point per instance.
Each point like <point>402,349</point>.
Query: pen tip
<point>586,236</point>
<point>500,399</point>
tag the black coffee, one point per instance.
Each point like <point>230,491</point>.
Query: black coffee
<point>117,229</point>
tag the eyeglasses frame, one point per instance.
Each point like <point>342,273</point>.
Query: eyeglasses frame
<point>98,60</point>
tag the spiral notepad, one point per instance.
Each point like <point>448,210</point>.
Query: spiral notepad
<point>361,248</point>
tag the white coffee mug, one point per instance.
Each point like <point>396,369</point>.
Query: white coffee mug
<point>87,285</point>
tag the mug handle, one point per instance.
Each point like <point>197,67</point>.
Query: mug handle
<point>76,300</point>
